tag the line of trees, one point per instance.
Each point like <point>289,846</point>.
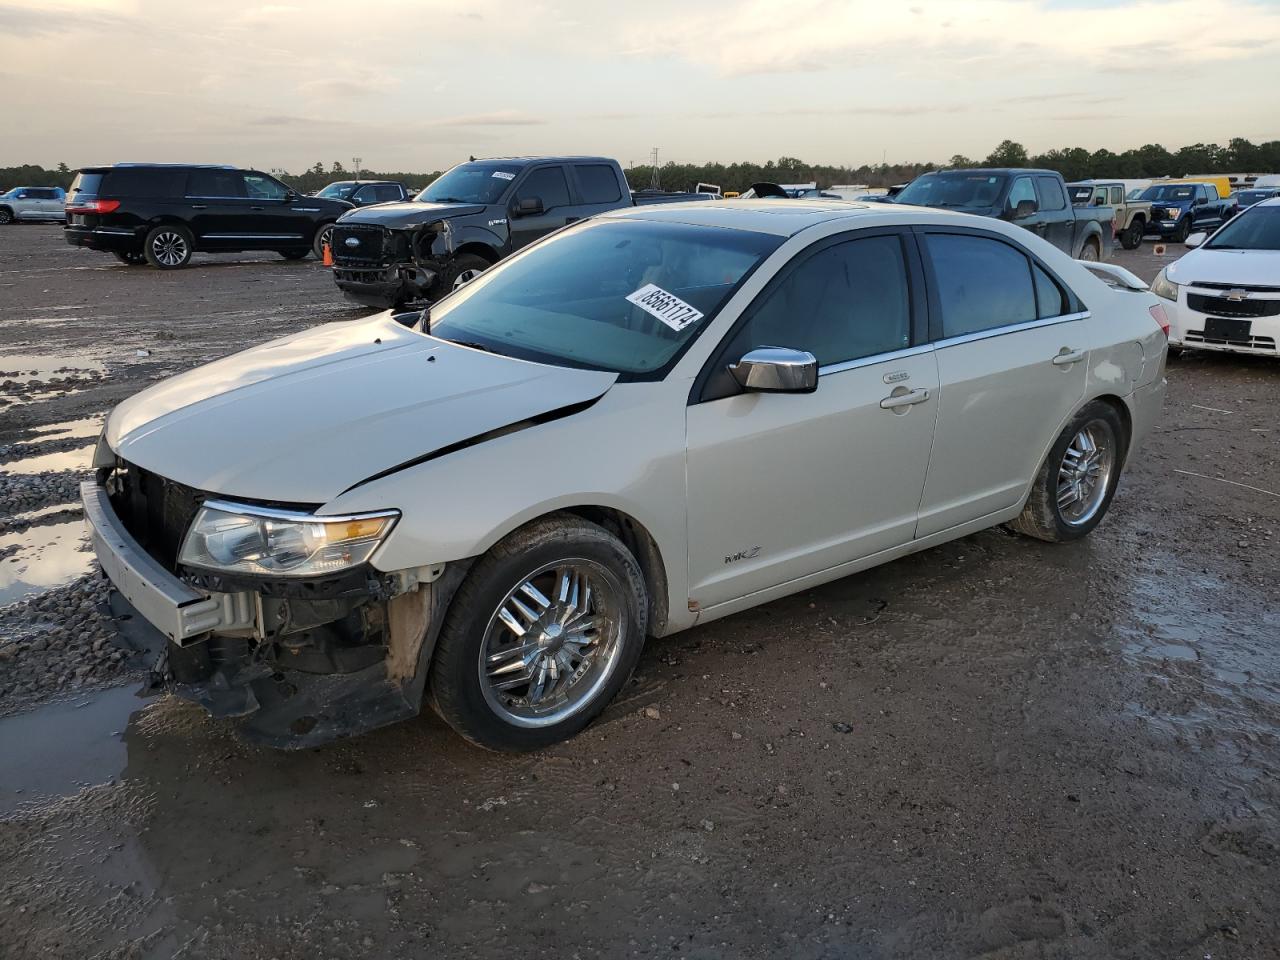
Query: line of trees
<point>1074,163</point>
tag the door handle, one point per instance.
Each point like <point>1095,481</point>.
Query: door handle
<point>1068,357</point>
<point>199,206</point>
<point>904,399</point>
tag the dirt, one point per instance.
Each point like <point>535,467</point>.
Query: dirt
<point>997,748</point>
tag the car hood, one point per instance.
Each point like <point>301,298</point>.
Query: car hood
<point>302,419</point>
<point>1248,268</point>
<point>410,213</point>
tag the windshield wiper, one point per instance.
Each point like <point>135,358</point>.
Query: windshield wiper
<point>448,200</point>
<point>474,345</point>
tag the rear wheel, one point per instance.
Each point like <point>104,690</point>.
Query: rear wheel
<point>132,258</point>
<point>1074,487</point>
<point>1090,252</point>
<point>323,238</point>
<point>168,247</point>
<point>541,635</point>
<point>1131,239</point>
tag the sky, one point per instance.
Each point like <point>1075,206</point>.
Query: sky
<point>417,85</point>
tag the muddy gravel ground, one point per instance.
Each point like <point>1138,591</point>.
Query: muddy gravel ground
<point>997,748</point>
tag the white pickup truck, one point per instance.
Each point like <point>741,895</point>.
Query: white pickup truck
<point>32,203</point>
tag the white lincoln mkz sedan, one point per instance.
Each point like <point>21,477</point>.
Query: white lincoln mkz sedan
<point>644,422</point>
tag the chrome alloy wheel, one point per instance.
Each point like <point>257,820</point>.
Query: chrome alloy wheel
<point>1085,473</point>
<point>169,248</point>
<point>325,239</point>
<point>553,643</point>
<point>465,277</point>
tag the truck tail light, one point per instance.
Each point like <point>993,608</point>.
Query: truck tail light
<point>1160,317</point>
<point>93,206</point>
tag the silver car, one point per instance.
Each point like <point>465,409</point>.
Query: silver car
<point>642,423</point>
<point>32,203</point>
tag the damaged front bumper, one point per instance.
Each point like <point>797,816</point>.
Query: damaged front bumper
<point>299,663</point>
<point>383,267</point>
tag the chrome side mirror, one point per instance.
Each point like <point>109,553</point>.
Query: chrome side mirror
<point>776,370</point>
<point>1196,239</point>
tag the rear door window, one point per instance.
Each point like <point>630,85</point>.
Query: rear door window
<point>216,184</point>
<point>386,192</point>
<point>598,183</point>
<point>981,283</point>
<point>549,185</point>
<point>1051,196</point>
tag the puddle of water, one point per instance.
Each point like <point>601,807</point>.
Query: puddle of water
<point>61,748</point>
<point>46,512</point>
<point>24,367</point>
<point>46,557</point>
<point>68,429</point>
<point>78,459</point>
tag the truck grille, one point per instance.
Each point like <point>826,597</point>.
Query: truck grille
<point>359,244</point>
<point>156,511</point>
<point>1226,307</point>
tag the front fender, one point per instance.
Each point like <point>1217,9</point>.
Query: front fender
<point>450,237</point>
<point>624,453</point>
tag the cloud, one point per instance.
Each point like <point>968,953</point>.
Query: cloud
<point>499,118</point>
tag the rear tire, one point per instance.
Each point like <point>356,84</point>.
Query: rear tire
<point>1074,486</point>
<point>168,247</point>
<point>324,235</point>
<point>1131,239</point>
<point>491,685</point>
<point>1091,252</point>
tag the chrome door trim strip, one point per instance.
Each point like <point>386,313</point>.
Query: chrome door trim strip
<point>1010,328</point>
<point>874,359</point>
<point>251,236</point>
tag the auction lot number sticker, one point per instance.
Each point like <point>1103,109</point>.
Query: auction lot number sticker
<point>667,307</point>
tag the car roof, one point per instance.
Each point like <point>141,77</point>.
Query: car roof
<point>785,218</point>
<point>159,166</point>
<point>540,159</point>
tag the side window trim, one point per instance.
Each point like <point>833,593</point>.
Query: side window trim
<point>916,304</point>
<point>1077,309</point>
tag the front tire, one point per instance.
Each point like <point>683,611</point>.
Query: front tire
<point>1183,231</point>
<point>460,271</point>
<point>541,635</point>
<point>168,247</point>
<point>1073,490</point>
<point>6,217</point>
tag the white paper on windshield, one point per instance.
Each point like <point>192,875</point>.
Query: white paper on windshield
<point>503,175</point>
<point>667,307</point>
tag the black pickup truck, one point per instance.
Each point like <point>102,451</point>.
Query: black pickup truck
<point>1034,199</point>
<point>467,220</point>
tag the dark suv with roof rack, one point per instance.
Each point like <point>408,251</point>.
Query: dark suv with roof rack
<point>162,213</point>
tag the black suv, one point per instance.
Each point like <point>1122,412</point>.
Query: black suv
<point>364,193</point>
<point>162,213</point>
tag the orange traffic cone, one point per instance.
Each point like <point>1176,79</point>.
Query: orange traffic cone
<point>328,255</point>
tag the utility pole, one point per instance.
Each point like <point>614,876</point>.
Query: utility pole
<point>357,161</point>
<point>654,182</point>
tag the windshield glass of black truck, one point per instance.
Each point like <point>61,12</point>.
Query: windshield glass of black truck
<point>953,190</point>
<point>471,183</point>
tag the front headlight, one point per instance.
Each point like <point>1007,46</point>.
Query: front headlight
<point>236,538</point>
<point>1162,286</point>
<point>1173,213</point>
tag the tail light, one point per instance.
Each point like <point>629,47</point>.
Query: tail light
<point>1160,317</point>
<point>93,206</point>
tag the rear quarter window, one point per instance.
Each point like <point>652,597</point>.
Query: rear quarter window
<point>86,183</point>
<point>144,183</point>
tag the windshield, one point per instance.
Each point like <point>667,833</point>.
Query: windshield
<point>1258,228</point>
<point>620,295</point>
<point>471,183</point>
<point>953,190</point>
<point>1169,191</point>
<point>338,191</point>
